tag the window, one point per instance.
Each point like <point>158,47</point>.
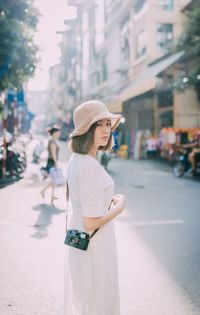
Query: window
<point>165,99</point>
<point>166,119</point>
<point>141,43</point>
<point>166,5</point>
<point>164,37</point>
<point>124,34</point>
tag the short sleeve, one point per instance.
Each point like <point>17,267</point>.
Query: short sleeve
<point>91,191</point>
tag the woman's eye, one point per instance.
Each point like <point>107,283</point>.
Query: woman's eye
<point>101,124</point>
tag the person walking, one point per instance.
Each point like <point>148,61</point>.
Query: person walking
<point>52,161</point>
<point>91,276</point>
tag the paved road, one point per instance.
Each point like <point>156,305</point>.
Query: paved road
<point>160,267</point>
<point>158,243</point>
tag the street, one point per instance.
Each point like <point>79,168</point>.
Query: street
<point>117,73</point>
<point>158,243</point>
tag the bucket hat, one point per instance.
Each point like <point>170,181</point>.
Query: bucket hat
<point>86,114</point>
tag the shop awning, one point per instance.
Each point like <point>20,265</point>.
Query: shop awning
<point>115,105</point>
<point>137,88</point>
<point>146,81</point>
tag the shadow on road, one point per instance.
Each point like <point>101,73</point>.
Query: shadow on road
<point>4,182</point>
<point>44,219</point>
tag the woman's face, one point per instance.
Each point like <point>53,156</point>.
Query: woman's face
<point>56,135</point>
<point>102,133</point>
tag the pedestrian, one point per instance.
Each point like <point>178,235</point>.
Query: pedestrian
<point>52,161</point>
<point>151,147</point>
<point>91,276</point>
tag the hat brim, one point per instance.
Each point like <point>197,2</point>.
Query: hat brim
<point>115,121</point>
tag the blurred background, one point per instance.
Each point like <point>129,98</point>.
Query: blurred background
<point>142,59</point>
<point>139,57</point>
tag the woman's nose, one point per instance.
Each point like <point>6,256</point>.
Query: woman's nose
<point>106,129</point>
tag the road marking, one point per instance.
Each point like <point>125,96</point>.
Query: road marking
<point>153,223</point>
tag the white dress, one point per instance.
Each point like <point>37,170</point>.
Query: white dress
<point>91,277</point>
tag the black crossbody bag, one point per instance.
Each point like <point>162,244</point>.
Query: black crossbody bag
<point>76,238</point>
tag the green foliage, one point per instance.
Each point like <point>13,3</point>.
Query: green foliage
<point>190,38</point>
<point>189,41</point>
<point>18,20</point>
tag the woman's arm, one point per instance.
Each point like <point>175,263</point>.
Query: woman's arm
<point>118,205</point>
<point>53,149</point>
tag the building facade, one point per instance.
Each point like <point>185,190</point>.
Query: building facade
<point>121,52</point>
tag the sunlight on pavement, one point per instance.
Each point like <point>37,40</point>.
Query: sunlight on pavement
<point>146,286</point>
<point>155,223</point>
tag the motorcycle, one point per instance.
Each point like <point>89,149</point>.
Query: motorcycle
<point>105,159</point>
<point>182,163</point>
<point>15,162</point>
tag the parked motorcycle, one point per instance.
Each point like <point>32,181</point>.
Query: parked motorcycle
<point>16,161</point>
<point>182,163</point>
<point>105,159</point>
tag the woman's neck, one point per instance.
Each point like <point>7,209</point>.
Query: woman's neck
<point>93,152</point>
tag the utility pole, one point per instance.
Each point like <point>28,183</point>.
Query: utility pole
<point>5,123</point>
<point>15,118</point>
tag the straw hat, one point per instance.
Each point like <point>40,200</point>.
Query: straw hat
<point>86,114</point>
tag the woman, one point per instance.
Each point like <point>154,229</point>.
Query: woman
<point>91,279</point>
<point>53,150</point>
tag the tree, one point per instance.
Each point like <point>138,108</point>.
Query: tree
<point>18,21</point>
<point>189,41</point>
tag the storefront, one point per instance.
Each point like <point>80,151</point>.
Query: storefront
<point>149,104</point>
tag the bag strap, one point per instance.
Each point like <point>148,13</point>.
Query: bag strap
<point>67,192</point>
<point>67,197</point>
<point>93,233</point>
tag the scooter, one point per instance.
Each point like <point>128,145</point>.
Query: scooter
<point>15,163</point>
<point>182,163</point>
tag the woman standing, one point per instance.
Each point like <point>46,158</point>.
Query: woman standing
<point>53,150</point>
<point>91,277</point>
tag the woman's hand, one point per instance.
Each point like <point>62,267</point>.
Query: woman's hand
<point>118,202</point>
